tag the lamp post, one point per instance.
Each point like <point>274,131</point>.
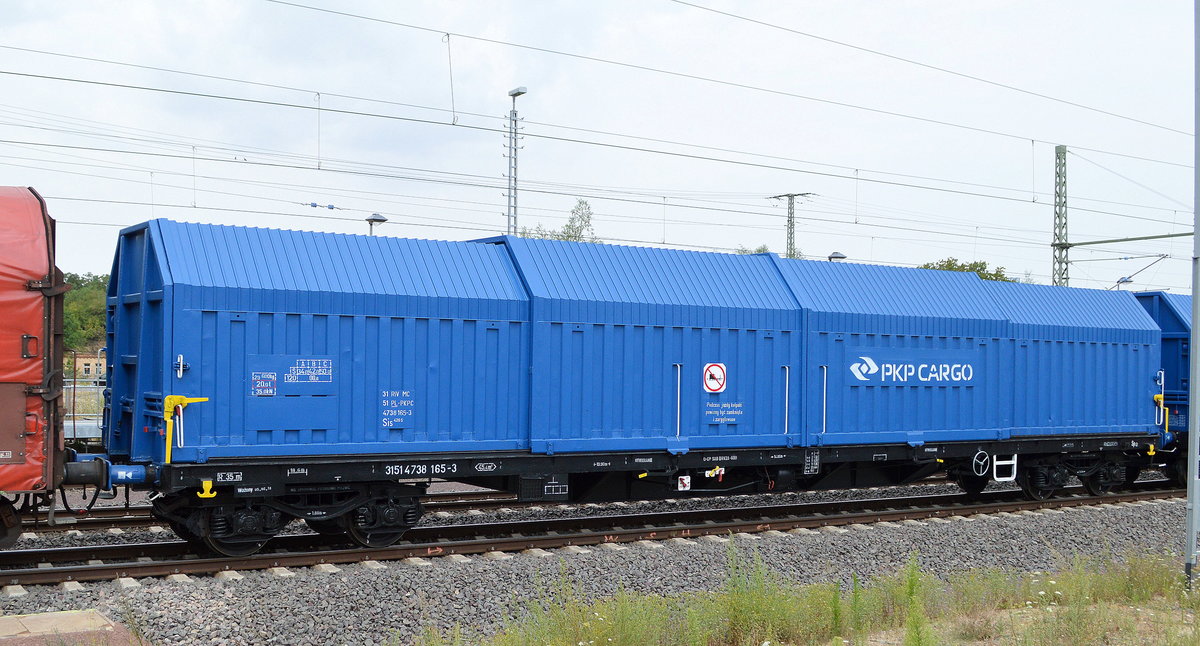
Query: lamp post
<point>837,255</point>
<point>374,219</point>
<point>512,160</point>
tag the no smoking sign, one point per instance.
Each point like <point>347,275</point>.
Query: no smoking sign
<point>714,378</point>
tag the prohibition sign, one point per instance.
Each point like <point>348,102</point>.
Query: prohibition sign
<point>714,378</point>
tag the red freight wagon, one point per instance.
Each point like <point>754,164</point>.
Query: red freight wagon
<point>31,288</point>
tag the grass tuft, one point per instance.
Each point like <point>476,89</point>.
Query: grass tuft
<point>1139,599</point>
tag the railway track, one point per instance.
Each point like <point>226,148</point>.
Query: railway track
<point>56,565</point>
<point>138,516</point>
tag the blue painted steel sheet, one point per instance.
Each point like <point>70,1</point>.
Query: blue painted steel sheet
<point>623,339</point>
<point>900,355</point>
<point>323,344</point>
<point>1084,360</point>
<point>1173,314</point>
<point>137,364</point>
<point>316,344</point>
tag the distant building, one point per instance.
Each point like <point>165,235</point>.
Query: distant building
<point>88,366</point>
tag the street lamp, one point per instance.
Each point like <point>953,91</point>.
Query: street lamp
<point>374,219</point>
<point>837,255</point>
<point>512,160</point>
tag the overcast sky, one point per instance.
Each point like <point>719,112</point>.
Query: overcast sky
<point>676,123</point>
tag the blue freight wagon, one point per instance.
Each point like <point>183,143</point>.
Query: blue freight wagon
<point>258,376</point>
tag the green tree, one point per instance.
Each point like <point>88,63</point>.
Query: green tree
<point>979,267</point>
<point>84,311</point>
<point>577,229</point>
<point>747,250</point>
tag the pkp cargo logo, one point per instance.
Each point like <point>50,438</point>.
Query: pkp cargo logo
<point>864,369</point>
<point>934,368</point>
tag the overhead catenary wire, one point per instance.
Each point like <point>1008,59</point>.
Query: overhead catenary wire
<point>1031,243</point>
<point>427,170</point>
<point>327,217</point>
<point>936,68</point>
<point>476,226</point>
<point>735,211</point>
<point>805,218</point>
<point>626,190</point>
<point>1128,278</point>
<point>811,219</point>
<point>548,137</point>
<point>437,226</point>
<point>454,120</point>
<point>1129,179</point>
<point>677,74</point>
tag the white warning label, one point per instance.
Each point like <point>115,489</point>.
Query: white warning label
<point>714,378</point>
<point>723,412</point>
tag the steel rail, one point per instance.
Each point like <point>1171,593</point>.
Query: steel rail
<point>134,516</point>
<point>139,515</point>
<point>306,550</point>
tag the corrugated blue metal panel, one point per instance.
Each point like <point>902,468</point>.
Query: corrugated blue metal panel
<point>871,388</point>
<point>1084,359</point>
<point>1082,386</point>
<point>138,321</point>
<point>599,283</point>
<point>317,384</point>
<point>900,355</point>
<point>1048,312</point>
<point>1182,304</point>
<point>615,387</point>
<point>847,297</point>
<point>323,344</point>
<point>1177,316</point>
<point>1173,314</point>
<point>271,269</point>
<point>621,336</point>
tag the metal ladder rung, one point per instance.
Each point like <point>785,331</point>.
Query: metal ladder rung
<point>1010,462</point>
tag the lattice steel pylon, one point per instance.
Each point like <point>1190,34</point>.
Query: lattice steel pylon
<point>791,221</point>
<point>1060,269</point>
<point>514,128</point>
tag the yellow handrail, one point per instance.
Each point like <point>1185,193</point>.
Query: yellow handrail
<point>170,403</point>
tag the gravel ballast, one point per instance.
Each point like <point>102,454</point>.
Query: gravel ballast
<point>361,605</point>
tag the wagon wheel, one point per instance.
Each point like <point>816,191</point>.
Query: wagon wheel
<point>10,524</point>
<point>1030,489</point>
<point>372,538</point>
<point>1176,472</point>
<point>239,531</point>
<point>1095,485</point>
<point>972,484</point>
<point>233,547</point>
<point>380,522</point>
<point>181,530</point>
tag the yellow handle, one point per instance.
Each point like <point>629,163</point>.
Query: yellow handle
<point>170,403</point>
<point>1162,405</point>
<point>207,492</point>
<point>170,440</point>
